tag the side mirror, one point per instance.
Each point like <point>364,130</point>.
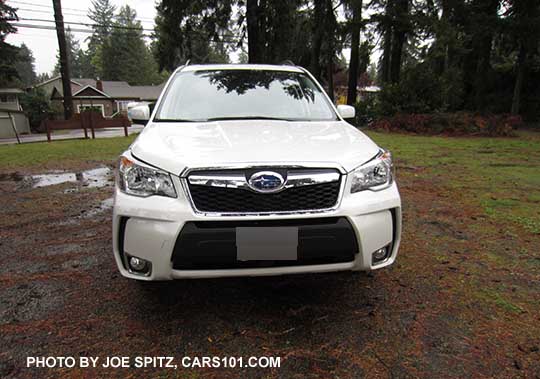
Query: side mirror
<point>346,111</point>
<point>139,114</point>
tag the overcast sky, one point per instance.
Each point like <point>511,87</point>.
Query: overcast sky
<point>44,43</point>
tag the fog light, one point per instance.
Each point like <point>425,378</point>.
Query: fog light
<point>138,264</point>
<point>380,254</point>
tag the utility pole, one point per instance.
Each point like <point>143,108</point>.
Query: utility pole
<point>64,63</point>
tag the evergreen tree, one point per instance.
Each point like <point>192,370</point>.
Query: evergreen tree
<point>525,26</point>
<point>193,30</point>
<point>395,24</point>
<point>8,53</point>
<point>102,15</point>
<point>125,55</point>
<point>277,31</point>
<point>84,62</point>
<point>25,66</point>
<point>73,53</point>
<point>43,77</point>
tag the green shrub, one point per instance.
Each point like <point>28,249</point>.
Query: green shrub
<point>366,110</point>
<point>420,90</point>
<point>461,123</point>
<point>37,106</point>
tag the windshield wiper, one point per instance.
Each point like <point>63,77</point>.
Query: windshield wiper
<point>176,120</point>
<point>248,118</point>
<point>228,118</point>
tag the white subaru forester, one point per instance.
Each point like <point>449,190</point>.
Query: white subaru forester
<point>249,170</point>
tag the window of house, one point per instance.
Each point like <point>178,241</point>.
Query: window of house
<point>95,107</point>
<point>8,98</point>
<point>122,105</point>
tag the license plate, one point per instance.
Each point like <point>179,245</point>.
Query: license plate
<point>267,243</point>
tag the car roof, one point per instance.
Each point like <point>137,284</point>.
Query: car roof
<point>240,66</point>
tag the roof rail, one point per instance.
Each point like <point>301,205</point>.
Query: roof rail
<point>287,62</point>
<point>180,68</point>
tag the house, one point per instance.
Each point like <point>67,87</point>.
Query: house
<point>9,99</point>
<point>11,115</point>
<point>108,97</point>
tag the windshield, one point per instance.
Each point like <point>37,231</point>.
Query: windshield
<point>243,94</point>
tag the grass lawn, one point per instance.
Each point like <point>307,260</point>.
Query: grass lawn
<point>61,154</point>
<point>501,174</point>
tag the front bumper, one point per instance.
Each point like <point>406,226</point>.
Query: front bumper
<point>148,228</point>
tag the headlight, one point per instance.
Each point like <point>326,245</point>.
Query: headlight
<point>144,181</point>
<point>375,175</point>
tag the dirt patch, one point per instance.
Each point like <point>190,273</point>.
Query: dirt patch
<point>32,301</point>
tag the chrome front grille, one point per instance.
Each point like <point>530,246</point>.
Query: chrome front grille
<point>230,192</point>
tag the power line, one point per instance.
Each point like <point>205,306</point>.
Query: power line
<point>45,6</point>
<point>90,25</point>
<point>224,40</point>
<point>47,27</point>
<point>48,12</point>
<point>36,35</point>
<point>68,14</point>
<point>79,10</point>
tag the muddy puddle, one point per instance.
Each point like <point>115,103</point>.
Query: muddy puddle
<point>94,178</point>
<point>104,206</point>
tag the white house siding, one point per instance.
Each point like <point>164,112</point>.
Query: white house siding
<point>21,124</point>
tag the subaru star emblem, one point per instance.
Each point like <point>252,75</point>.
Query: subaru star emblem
<point>266,181</point>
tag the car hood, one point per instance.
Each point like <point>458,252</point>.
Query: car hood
<point>176,146</point>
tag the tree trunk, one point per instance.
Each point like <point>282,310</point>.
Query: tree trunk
<point>254,48</point>
<point>398,39</point>
<point>331,80</point>
<point>397,53</point>
<point>64,63</point>
<point>330,48</point>
<point>483,66</point>
<point>355,49</point>
<point>482,42</point>
<point>441,45</point>
<point>318,30</point>
<point>387,42</point>
<point>516,99</point>
<point>526,11</point>
<point>386,56</point>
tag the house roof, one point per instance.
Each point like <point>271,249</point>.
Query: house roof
<point>136,92</point>
<point>89,90</point>
<point>106,83</point>
<point>11,90</point>
<point>111,89</point>
<point>48,81</point>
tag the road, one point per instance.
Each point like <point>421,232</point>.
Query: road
<point>71,134</point>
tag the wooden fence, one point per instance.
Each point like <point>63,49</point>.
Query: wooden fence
<point>87,120</point>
